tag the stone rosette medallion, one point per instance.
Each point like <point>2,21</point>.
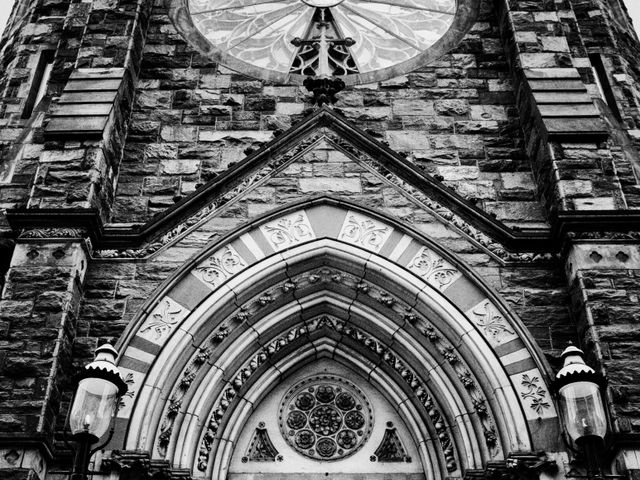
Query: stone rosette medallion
<point>325,417</point>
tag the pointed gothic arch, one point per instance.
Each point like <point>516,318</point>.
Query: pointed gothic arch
<point>330,279</point>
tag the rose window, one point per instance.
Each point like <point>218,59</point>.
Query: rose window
<point>261,37</point>
<point>325,417</point>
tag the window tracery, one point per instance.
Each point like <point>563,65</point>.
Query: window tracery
<point>325,417</point>
<point>367,38</point>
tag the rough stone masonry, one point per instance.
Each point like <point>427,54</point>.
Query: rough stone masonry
<point>529,129</point>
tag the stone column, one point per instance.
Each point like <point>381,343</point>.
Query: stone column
<point>39,314</point>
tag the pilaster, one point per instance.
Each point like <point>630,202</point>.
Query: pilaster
<point>39,311</point>
<point>603,272</point>
<point>565,130</point>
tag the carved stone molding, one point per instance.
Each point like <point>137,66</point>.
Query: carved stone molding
<point>53,233</point>
<point>186,380</point>
<point>439,210</point>
<point>228,192</point>
<point>388,356</point>
<point>517,466</point>
<point>232,191</point>
<point>480,403</point>
<point>138,465</point>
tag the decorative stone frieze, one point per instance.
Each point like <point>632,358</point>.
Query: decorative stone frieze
<point>386,354</point>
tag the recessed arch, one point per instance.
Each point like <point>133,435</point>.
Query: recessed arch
<point>450,335</point>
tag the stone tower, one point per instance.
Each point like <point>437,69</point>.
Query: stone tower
<point>377,288</point>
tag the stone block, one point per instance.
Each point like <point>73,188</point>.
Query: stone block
<point>289,108</point>
<point>407,141</point>
<point>538,60</point>
<point>455,173</point>
<point>576,188</point>
<point>161,151</point>
<point>178,133</point>
<point>413,107</point>
<point>180,167</point>
<point>555,44</point>
<point>328,184</point>
<point>452,107</point>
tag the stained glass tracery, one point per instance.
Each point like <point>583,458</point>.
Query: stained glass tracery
<point>260,32</point>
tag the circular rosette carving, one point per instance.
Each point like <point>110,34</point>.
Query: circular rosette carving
<point>325,417</point>
<point>305,439</point>
<point>347,439</point>
<point>296,420</point>
<point>325,393</point>
<point>326,447</point>
<point>354,420</point>
<point>325,420</point>
<point>305,401</point>
<point>345,401</point>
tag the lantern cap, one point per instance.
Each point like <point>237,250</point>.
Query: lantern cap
<point>575,369</point>
<point>104,367</point>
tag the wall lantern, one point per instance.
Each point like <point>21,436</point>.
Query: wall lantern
<point>585,418</point>
<point>100,387</point>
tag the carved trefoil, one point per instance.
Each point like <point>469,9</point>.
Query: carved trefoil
<point>364,232</point>
<point>534,394</point>
<point>289,230</point>
<point>390,448</point>
<point>219,267</point>
<point>435,270</point>
<point>261,448</point>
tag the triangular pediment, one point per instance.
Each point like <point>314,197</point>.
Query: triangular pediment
<point>326,137</point>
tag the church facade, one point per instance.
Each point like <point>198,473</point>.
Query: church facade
<point>376,285</point>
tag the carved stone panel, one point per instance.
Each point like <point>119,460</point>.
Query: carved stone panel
<point>435,270</point>
<point>491,323</point>
<point>364,232</point>
<point>261,447</point>
<point>219,267</point>
<point>534,394</point>
<point>289,230</point>
<point>163,320</point>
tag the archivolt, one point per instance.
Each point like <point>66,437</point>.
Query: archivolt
<point>388,304</point>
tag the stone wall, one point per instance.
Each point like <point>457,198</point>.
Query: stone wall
<point>486,120</point>
<point>454,118</point>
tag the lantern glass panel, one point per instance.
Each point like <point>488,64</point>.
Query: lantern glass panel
<point>583,410</point>
<point>93,406</point>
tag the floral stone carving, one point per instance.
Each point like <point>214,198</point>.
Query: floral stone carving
<point>365,232</point>
<point>220,266</point>
<point>434,269</point>
<point>289,230</point>
<point>325,417</point>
